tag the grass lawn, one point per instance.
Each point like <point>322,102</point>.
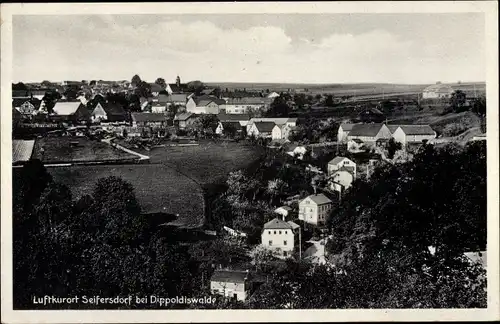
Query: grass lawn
<point>159,189</point>
<point>61,150</point>
<point>206,163</point>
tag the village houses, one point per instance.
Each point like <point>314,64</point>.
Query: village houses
<point>366,135</point>
<point>280,236</point>
<point>73,111</point>
<point>243,105</point>
<point>314,209</point>
<point>231,284</point>
<point>185,120</point>
<point>204,105</point>
<point>281,132</point>
<point>292,122</point>
<point>149,120</point>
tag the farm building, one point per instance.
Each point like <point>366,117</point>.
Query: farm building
<point>155,89</point>
<point>204,105</point>
<point>22,150</point>
<point>25,107</point>
<point>177,87</point>
<point>437,91</point>
<point>314,209</point>
<point>184,120</point>
<point>243,119</point>
<point>242,105</point>
<point>292,122</point>
<point>413,134</point>
<point>281,132</point>
<point>343,132</point>
<point>149,120</point>
<point>280,236</point>
<point>369,133</point>
<point>70,111</point>
<point>231,283</point>
<point>261,129</point>
<point>179,99</point>
<point>158,108</point>
<point>115,112</point>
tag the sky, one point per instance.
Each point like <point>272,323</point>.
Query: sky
<point>285,48</point>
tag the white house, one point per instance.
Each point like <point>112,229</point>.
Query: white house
<point>341,163</point>
<point>413,134</point>
<point>281,132</point>
<point>261,129</point>
<point>231,284</point>
<point>292,122</point>
<point>204,105</point>
<point>437,91</point>
<point>243,105</point>
<point>158,108</point>
<point>280,236</point>
<point>369,133</point>
<point>98,114</point>
<point>343,132</point>
<point>314,209</point>
<point>341,180</point>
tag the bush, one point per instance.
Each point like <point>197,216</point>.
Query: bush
<point>453,129</point>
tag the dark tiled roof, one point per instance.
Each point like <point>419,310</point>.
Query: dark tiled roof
<point>347,127</point>
<point>365,130</point>
<point>184,116</point>
<point>148,117</point>
<point>417,129</point>
<point>265,127</point>
<point>233,117</point>
<point>234,124</point>
<point>320,199</point>
<point>229,276</point>
<point>277,223</point>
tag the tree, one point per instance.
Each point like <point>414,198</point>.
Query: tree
<point>329,101</point>
<point>207,122</point>
<point>479,108</point>
<point>46,83</point>
<point>279,108</point>
<point>161,82</point>
<point>143,89</point>
<point>196,86</point>
<point>392,147</point>
<point>457,101</point>
<point>19,86</point>
<point>136,81</point>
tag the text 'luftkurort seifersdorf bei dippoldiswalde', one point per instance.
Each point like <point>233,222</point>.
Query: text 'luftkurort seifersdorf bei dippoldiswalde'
<point>120,300</point>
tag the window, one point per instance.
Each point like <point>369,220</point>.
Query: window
<point>274,232</point>
<point>269,232</point>
<point>285,232</point>
<point>270,242</point>
<point>307,202</point>
<point>284,253</point>
<point>284,242</point>
<point>280,232</point>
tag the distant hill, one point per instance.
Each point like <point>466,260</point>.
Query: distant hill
<point>357,89</point>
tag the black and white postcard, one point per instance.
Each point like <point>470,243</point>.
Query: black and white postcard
<point>268,161</point>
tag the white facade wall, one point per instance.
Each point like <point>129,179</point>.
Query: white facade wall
<point>277,133</point>
<point>313,214</point>
<point>230,289</point>
<point>345,162</point>
<point>343,178</point>
<point>280,240</point>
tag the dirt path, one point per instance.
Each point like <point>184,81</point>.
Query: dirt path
<point>142,157</point>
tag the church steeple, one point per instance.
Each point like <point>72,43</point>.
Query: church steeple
<point>178,81</point>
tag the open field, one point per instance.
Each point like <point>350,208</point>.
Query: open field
<point>159,189</point>
<point>206,163</point>
<point>77,149</point>
<point>357,90</point>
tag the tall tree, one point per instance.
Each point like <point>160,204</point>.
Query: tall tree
<point>161,82</point>
<point>136,80</point>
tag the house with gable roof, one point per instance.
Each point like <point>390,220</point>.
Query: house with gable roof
<point>73,111</point>
<point>280,236</point>
<point>369,133</point>
<point>341,173</point>
<point>343,132</point>
<point>437,91</point>
<point>231,283</point>
<point>204,105</point>
<point>408,134</point>
<point>314,209</point>
<point>261,129</point>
